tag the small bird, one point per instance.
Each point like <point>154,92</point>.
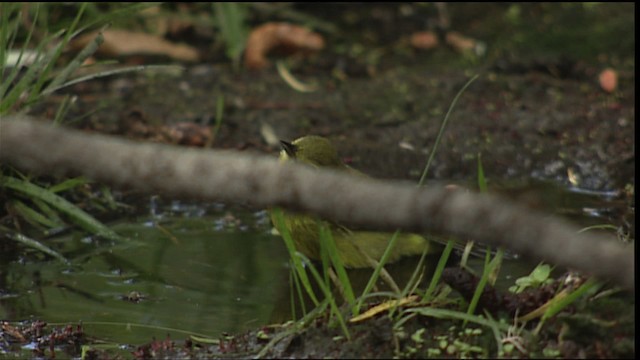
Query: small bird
<point>357,249</point>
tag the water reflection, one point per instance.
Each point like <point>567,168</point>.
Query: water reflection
<point>188,273</point>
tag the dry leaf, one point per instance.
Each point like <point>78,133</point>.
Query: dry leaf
<point>127,43</point>
<point>460,42</point>
<point>424,40</point>
<point>11,331</point>
<point>384,307</point>
<point>608,79</point>
<point>283,37</point>
<point>187,133</point>
<point>292,81</point>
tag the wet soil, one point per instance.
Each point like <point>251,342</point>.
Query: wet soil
<point>536,112</point>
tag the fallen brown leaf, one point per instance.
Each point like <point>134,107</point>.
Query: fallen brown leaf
<point>608,79</point>
<point>460,42</point>
<point>282,37</point>
<point>424,40</point>
<point>188,133</point>
<point>127,43</point>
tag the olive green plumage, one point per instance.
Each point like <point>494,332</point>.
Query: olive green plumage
<point>356,248</point>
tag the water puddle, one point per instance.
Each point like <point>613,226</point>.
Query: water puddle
<point>201,269</point>
<point>192,268</point>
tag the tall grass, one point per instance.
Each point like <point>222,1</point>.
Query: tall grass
<point>33,66</point>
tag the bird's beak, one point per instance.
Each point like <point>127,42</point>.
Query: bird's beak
<point>288,148</point>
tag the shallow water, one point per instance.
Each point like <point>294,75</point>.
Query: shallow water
<point>203,269</point>
<point>196,269</point>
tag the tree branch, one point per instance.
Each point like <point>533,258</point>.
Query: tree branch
<point>231,176</point>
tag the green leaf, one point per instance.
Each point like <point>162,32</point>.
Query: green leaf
<point>541,273</point>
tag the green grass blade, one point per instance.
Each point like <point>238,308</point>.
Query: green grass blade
<point>415,278</point>
<point>77,215</point>
<point>473,304</point>
<point>231,23</point>
<point>438,271</point>
<point>482,181</point>
<point>452,314</point>
<point>27,241</point>
<point>34,217</point>
<point>77,61</point>
<point>37,87</point>
<point>296,289</point>
<point>328,296</point>
<point>329,246</point>
<point>496,265</point>
<point>48,211</point>
<point>8,33</point>
<point>558,305</point>
<point>376,272</point>
<point>293,254</point>
<point>114,72</point>
<point>68,184</point>
<point>34,72</point>
<point>8,29</point>
<point>442,127</point>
